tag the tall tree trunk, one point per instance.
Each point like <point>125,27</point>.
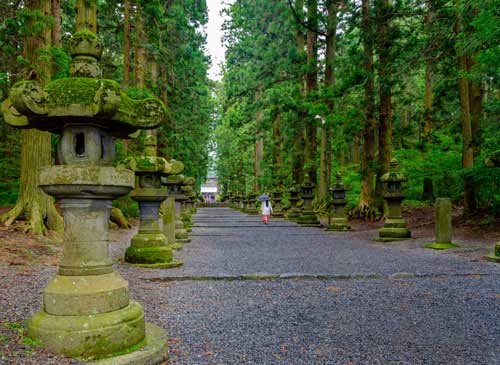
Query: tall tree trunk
<point>259,154</point>
<point>428,96</point>
<point>326,130</point>
<point>277,159</point>
<point>464,62</point>
<point>366,208</point>
<point>36,149</point>
<point>86,11</point>
<point>311,86</point>
<point>384,47</point>
<point>298,143</point>
<point>56,28</point>
<point>127,56</point>
<point>140,49</point>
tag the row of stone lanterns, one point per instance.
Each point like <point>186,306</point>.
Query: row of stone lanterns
<point>394,228</point>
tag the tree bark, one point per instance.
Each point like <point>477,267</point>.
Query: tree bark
<point>127,56</point>
<point>311,86</point>
<point>36,150</point>
<point>366,208</point>
<point>140,49</point>
<point>464,63</point>
<point>428,96</point>
<point>326,130</point>
<point>384,46</point>
<point>298,143</point>
<point>86,18</point>
<point>56,29</point>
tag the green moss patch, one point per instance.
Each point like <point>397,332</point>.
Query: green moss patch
<point>440,246</point>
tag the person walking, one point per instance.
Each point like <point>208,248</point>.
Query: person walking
<point>266,210</point>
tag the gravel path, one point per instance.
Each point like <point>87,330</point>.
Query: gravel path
<point>345,299</point>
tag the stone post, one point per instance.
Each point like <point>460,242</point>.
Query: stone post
<point>308,217</point>
<point>394,228</point>
<point>338,193</point>
<point>443,227</point>
<point>149,247</point>
<point>87,311</point>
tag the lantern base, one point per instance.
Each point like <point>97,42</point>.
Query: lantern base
<point>293,214</point>
<point>338,224</point>
<point>493,258</point>
<point>177,246</point>
<point>308,219</point>
<point>440,246</point>
<point>149,255</point>
<point>278,213</point>
<point>154,350</point>
<point>96,335</point>
<point>252,211</point>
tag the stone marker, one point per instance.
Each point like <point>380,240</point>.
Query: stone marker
<point>339,220</point>
<point>442,227</point>
<point>394,228</point>
<point>149,247</point>
<point>308,217</point>
<point>86,307</point>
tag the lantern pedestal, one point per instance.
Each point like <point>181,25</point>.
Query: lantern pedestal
<point>294,212</point>
<point>308,217</point>
<point>339,221</point>
<point>495,256</point>
<point>149,247</point>
<point>87,311</point>
<point>394,228</point>
<point>250,206</point>
<point>338,224</point>
<point>277,210</point>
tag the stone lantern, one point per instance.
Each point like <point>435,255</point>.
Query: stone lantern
<point>394,228</point>
<point>277,209</point>
<point>250,204</point>
<point>174,184</point>
<point>338,194</point>
<point>87,311</point>
<point>149,247</point>
<point>294,212</point>
<point>188,204</point>
<point>308,217</point>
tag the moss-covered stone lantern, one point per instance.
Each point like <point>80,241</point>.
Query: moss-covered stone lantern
<point>87,311</point>
<point>294,211</point>
<point>394,228</point>
<point>250,204</point>
<point>188,204</point>
<point>308,217</point>
<point>174,184</point>
<point>277,207</point>
<point>338,194</point>
<point>149,247</point>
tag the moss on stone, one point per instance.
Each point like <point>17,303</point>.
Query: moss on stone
<point>440,246</point>
<point>148,255</point>
<point>77,90</point>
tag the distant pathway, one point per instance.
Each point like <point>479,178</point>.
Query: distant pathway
<point>284,294</point>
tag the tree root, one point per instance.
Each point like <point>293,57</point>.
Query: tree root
<point>364,210</point>
<point>118,218</point>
